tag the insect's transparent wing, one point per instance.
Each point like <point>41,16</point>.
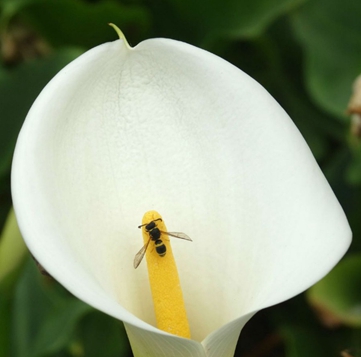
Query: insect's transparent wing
<point>140,255</point>
<point>179,235</point>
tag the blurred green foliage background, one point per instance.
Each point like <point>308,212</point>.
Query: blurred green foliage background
<point>305,53</point>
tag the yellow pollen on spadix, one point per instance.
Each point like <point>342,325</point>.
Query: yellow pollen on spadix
<point>164,282</point>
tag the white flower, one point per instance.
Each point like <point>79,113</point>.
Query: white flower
<point>170,127</point>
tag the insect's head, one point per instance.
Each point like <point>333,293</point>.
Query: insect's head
<point>151,225</point>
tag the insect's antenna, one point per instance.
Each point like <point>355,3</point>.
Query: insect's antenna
<point>142,225</point>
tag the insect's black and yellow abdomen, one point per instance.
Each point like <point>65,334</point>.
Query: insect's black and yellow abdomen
<point>160,247</point>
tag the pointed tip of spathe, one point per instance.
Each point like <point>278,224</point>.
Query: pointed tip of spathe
<point>120,34</point>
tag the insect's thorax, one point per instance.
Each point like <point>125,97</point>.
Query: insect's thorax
<point>153,231</point>
<point>154,234</point>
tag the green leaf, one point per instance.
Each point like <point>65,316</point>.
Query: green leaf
<point>58,327</point>
<point>304,336</point>
<point>337,297</point>
<point>11,7</point>
<point>206,21</point>
<point>12,247</point>
<point>4,326</point>
<point>304,341</point>
<point>45,315</point>
<point>74,22</point>
<point>5,320</point>
<point>31,305</point>
<point>19,88</point>
<point>310,340</point>
<point>330,33</point>
<point>240,19</point>
<point>99,330</point>
<point>353,173</point>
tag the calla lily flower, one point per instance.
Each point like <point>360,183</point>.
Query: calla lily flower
<point>171,127</point>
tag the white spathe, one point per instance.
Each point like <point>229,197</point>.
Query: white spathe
<point>170,127</point>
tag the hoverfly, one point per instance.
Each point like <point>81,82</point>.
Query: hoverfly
<point>155,236</point>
